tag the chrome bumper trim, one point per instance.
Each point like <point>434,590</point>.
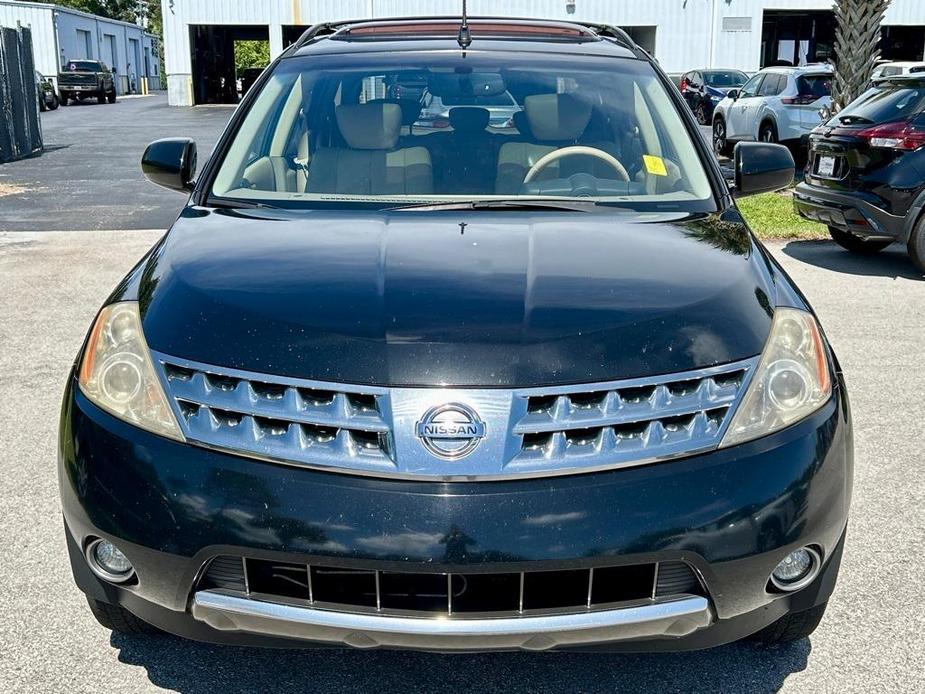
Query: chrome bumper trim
<point>670,618</point>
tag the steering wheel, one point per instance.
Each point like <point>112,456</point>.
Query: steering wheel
<point>575,150</point>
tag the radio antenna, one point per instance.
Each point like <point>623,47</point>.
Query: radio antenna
<point>464,38</point>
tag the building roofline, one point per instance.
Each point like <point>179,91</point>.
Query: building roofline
<point>71,10</point>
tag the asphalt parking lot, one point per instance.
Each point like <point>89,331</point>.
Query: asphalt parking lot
<point>51,284</point>
<point>90,175</point>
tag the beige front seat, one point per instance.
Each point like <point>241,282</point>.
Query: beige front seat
<point>557,120</point>
<point>370,164</point>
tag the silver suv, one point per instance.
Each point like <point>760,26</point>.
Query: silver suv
<point>778,104</point>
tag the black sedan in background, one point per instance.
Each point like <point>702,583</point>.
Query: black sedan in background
<point>865,177</point>
<point>45,88</point>
<point>703,89</point>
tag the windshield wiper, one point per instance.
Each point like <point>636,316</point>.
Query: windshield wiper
<point>237,204</point>
<point>566,205</point>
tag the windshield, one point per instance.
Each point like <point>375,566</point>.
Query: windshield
<point>335,131</point>
<point>82,66</point>
<point>727,78</point>
<point>885,103</point>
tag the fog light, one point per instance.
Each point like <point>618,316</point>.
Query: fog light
<point>796,570</point>
<point>108,562</point>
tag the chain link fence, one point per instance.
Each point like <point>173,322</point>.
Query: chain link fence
<point>20,128</point>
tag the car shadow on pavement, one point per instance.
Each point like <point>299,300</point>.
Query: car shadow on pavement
<point>890,262</point>
<point>193,668</point>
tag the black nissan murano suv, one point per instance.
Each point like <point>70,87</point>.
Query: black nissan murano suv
<point>384,384</point>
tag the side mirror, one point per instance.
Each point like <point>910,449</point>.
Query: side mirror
<point>171,163</point>
<point>761,167</point>
<point>733,94</point>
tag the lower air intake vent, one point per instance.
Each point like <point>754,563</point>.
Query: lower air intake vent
<point>676,577</point>
<point>225,572</point>
<point>506,593</point>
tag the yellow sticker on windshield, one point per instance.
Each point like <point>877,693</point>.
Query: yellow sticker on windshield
<point>654,165</point>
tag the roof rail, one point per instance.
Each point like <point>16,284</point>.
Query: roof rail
<point>611,32</point>
<point>318,30</point>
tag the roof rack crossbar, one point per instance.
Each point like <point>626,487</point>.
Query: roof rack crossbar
<point>323,29</point>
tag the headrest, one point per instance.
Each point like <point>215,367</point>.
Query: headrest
<point>520,122</point>
<point>369,126</point>
<point>469,119</point>
<point>410,108</point>
<point>557,117</point>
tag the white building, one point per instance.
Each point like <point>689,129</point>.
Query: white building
<point>199,35</point>
<point>60,34</point>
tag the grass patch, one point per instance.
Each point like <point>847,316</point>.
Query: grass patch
<point>771,216</point>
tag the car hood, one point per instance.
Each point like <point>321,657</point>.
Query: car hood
<point>472,298</point>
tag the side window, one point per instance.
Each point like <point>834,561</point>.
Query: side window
<point>698,80</point>
<point>890,71</point>
<point>750,88</point>
<point>772,85</point>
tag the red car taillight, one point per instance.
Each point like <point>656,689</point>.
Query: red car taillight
<point>901,135</point>
<point>684,85</point>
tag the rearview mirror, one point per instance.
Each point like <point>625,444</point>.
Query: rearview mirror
<point>761,167</point>
<point>171,163</point>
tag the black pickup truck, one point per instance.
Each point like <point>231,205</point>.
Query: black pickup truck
<point>80,79</point>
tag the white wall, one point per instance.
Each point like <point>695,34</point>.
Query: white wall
<point>689,32</point>
<point>38,19</point>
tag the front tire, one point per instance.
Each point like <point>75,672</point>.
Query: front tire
<point>856,244</point>
<point>720,143</point>
<point>916,245</point>
<point>101,97</point>
<point>791,627</point>
<point>118,619</point>
<point>111,97</point>
<point>53,106</point>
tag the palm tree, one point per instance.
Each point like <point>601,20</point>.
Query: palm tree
<point>857,46</point>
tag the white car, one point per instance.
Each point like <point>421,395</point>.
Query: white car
<point>897,68</point>
<point>778,104</point>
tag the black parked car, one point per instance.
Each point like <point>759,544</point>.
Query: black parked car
<point>48,99</point>
<point>865,177</point>
<point>703,89</point>
<point>372,391</point>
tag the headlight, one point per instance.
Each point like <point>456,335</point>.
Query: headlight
<point>117,375</point>
<point>791,381</point>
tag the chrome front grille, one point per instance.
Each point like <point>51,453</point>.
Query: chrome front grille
<point>281,419</point>
<point>642,419</point>
<point>527,432</point>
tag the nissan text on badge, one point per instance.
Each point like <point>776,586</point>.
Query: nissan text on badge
<point>461,386</point>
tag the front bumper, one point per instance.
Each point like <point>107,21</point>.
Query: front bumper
<point>732,514</point>
<point>848,212</point>
<point>669,618</point>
